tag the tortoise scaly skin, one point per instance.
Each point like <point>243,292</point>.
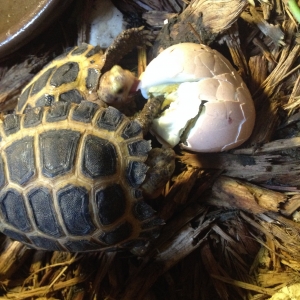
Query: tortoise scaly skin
<point>71,178</point>
<point>75,75</point>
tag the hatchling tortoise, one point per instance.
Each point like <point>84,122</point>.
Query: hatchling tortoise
<point>73,172</point>
<point>85,73</point>
<point>72,177</point>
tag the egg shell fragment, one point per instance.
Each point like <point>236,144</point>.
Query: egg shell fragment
<point>204,76</point>
<point>184,62</point>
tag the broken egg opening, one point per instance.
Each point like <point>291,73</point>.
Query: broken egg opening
<point>207,106</point>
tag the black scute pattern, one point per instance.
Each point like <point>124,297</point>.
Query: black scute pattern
<point>143,211</point>
<point>139,148</point>
<point>11,124</point>
<point>93,51</point>
<point>80,49</point>
<point>136,173</point>
<point>92,79</point>
<point>58,112</point>
<point>84,112</point>
<point>83,245</point>
<point>58,149</point>
<point>66,73</point>
<point>99,157</point>
<point>20,160</point>
<point>138,194</point>
<point>14,211</point>
<point>44,100</point>
<point>111,204</point>
<point>117,235</point>
<point>33,117</point>
<point>131,130</point>
<point>41,203</point>
<point>41,82</point>
<point>74,207</point>
<point>45,243</point>
<point>71,96</point>
<point>110,119</point>
<point>16,235</point>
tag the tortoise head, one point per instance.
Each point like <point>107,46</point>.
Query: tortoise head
<point>116,85</point>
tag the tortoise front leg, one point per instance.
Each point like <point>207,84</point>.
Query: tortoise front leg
<point>150,111</point>
<point>161,162</point>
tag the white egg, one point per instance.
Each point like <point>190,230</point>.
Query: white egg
<point>209,108</point>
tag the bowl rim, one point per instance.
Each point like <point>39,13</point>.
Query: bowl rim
<point>30,25</point>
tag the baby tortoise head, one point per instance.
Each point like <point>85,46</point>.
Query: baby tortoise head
<point>116,85</point>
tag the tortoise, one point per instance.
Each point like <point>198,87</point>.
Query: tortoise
<point>85,73</point>
<point>72,177</point>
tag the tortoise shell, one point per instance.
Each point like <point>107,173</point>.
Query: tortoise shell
<point>70,177</point>
<point>75,75</point>
<point>71,77</point>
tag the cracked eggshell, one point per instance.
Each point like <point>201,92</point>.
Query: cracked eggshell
<point>204,78</point>
<point>184,62</point>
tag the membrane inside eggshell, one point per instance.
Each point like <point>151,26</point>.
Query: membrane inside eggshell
<point>184,105</point>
